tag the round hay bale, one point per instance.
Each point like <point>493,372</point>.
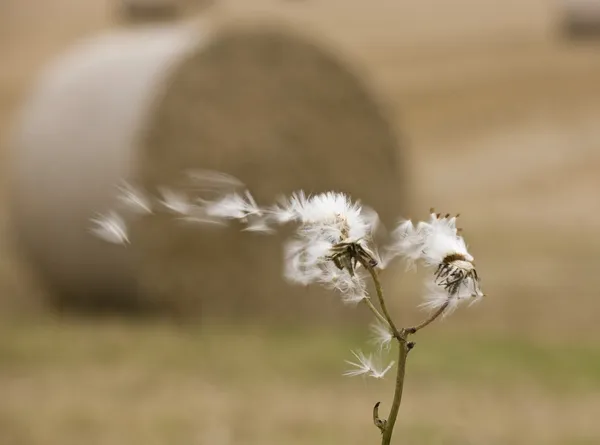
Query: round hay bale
<point>148,10</point>
<point>581,18</point>
<point>255,101</point>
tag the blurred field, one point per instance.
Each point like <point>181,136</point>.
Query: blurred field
<point>146,384</point>
<point>501,119</point>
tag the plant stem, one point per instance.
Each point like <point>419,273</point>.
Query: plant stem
<point>373,309</point>
<point>429,320</point>
<point>400,370</point>
<point>379,291</point>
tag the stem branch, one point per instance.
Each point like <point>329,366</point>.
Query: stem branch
<point>429,320</point>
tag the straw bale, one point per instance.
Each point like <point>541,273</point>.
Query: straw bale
<point>257,101</point>
<point>148,10</point>
<point>581,18</point>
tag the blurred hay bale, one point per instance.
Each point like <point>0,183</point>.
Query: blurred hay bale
<point>148,10</point>
<point>256,101</point>
<point>581,18</point>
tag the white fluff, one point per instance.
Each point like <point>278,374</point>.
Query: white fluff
<point>366,366</point>
<point>110,228</point>
<point>232,206</point>
<point>435,297</point>
<point>382,335</point>
<point>328,215</point>
<point>430,241</point>
<point>133,199</point>
<point>324,221</point>
<point>175,202</point>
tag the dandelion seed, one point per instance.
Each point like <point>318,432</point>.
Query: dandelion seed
<point>438,244</point>
<point>213,180</point>
<point>379,374</point>
<point>365,366</point>
<point>133,199</point>
<point>382,335</point>
<point>176,202</point>
<point>259,225</point>
<point>436,297</point>
<point>354,297</point>
<point>233,206</point>
<point>110,228</point>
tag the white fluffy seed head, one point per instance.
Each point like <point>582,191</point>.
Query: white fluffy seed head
<point>330,215</point>
<point>430,241</point>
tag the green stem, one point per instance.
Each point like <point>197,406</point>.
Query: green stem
<point>400,370</point>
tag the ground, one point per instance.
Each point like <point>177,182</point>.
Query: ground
<point>154,384</point>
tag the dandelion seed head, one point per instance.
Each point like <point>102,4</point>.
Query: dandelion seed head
<point>437,243</point>
<point>327,215</point>
<point>430,241</point>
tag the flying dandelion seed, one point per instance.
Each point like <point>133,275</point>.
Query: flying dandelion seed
<point>133,199</point>
<point>366,366</point>
<point>110,228</point>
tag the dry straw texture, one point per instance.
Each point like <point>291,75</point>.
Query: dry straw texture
<point>253,100</point>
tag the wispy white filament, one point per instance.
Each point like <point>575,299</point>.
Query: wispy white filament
<point>382,335</point>
<point>366,366</point>
<point>435,297</point>
<point>110,228</point>
<point>175,202</point>
<point>133,199</point>
<point>430,241</point>
<point>233,206</point>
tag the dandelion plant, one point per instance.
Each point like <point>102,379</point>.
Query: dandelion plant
<point>332,246</point>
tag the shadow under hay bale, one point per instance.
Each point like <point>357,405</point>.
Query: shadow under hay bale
<point>255,101</point>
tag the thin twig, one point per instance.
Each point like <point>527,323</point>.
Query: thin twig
<point>379,291</point>
<point>429,320</point>
<point>373,309</point>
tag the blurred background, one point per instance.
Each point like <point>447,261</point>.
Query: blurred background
<point>486,108</point>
